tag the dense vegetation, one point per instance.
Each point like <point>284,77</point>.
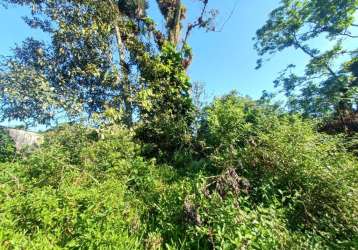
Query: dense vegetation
<point>149,169</point>
<point>264,180</point>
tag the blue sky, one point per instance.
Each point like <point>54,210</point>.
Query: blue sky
<point>223,61</point>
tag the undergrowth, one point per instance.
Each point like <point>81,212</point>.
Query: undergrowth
<point>259,179</point>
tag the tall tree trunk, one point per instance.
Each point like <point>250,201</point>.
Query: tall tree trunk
<point>124,81</point>
<point>126,91</point>
<point>172,10</point>
<point>175,27</point>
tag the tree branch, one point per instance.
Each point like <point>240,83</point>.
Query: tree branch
<point>229,17</point>
<point>123,82</point>
<point>349,35</point>
<point>306,51</point>
<point>199,22</point>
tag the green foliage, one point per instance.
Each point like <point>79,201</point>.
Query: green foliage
<point>75,218</point>
<point>42,79</point>
<point>324,89</point>
<point>166,108</point>
<point>283,157</point>
<point>230,123</point>
<point>267,181</point>
<point>73,195</point>
<point>99,56</point>
<point>7,147</point>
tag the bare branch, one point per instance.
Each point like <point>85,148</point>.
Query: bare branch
<point>229,17</point>
<point>199,22</point>
<point>349,35</point>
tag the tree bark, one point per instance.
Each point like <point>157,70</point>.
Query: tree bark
<point>123,81</point>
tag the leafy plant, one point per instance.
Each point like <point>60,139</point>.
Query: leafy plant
<point>7,147</point>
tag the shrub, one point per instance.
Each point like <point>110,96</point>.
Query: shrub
<point>7,147</point>
<point>229,124</point>
<point>283,157</point>
<point>56,198</point>
<point>315,172</point>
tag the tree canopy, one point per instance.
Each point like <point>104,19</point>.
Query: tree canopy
<point>100,55</point>
<point>325,88</point>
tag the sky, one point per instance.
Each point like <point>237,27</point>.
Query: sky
<point>223,61</point>
<point>226,60</point>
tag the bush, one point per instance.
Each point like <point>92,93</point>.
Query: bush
<point>7,147</point>
<point>284,158</point>
<point>229,124</point>
<point>70,217</point>
<point>58,198</point>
